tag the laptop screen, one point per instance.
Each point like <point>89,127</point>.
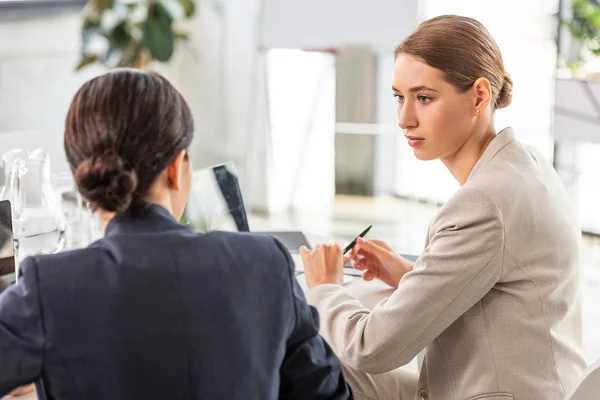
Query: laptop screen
<point>215,201</point>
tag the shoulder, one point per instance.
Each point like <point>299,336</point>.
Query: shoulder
<point>515,175</point>
<point>258,245</point>
<point>471,200</point>
<point>230,250</point>
<point>468,207</point>
<point>515,164</point>
<point>63,263</point>
<point>186,240</point>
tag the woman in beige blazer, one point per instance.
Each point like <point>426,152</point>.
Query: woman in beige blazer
<point>493,298</point>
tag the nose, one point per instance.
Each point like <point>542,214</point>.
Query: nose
<point>406,116</point>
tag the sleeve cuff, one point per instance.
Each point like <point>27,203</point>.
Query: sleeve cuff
<point>315,295</point>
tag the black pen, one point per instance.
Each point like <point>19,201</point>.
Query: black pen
<point>362,234</point>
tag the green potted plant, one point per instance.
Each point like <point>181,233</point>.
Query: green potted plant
<point>584,27</point>
<point>577,84</point>
<point>131,33</point>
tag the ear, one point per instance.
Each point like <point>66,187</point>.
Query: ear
<point>483,95</point>
<point>175,170</point>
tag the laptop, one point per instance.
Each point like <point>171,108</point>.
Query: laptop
<point>215,201</point>
<point>7,248</point>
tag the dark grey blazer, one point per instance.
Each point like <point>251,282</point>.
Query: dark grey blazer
<point>157,311</point>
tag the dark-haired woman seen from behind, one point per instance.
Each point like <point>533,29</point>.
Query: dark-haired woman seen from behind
<point>154,310</point>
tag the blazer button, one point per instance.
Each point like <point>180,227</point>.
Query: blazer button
<point>424,395</point>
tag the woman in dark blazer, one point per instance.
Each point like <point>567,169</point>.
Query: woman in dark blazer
<point>154,310</point>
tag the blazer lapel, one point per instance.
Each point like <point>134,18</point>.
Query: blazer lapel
<point>503,139</point>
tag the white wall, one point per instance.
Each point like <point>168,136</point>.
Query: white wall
<point>318,24</point>
<point>219,72</point>
<point>37,60</point>
<point>38,79</point>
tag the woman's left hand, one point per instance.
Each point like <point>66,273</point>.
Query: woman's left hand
<point>324,264</point>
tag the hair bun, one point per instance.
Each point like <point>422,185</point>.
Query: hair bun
<point>505,95</point>
<point>106,183</point>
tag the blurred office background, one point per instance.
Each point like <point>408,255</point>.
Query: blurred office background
<point>297,95</point>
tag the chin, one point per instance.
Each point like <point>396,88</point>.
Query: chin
<point>424,155</point>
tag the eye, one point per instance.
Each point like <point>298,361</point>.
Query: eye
<point>399,98</point>
<point>424,99</point>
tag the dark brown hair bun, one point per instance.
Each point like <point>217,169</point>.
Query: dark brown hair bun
<point>105,182</point>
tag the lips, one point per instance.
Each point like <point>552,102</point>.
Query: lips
<point>414,141</point>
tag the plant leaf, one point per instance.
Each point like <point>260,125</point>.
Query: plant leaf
<point>189,6</point>
<point>584,27</point>
<point>120,36</point>
<point>101,5</point>
<point>85,61</point>
<point>119,40</point>
<point>158,36</point>
<point>181,36</point>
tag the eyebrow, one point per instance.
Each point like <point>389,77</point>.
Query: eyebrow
<point>416,89</point>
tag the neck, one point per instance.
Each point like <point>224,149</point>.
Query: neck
<point>461,163</point>
<point>161,200</point>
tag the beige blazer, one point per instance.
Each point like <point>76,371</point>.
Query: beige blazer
<point>493,298</point>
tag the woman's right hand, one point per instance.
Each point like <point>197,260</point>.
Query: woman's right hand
<point>23,390</point>
<point>377,259</point>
